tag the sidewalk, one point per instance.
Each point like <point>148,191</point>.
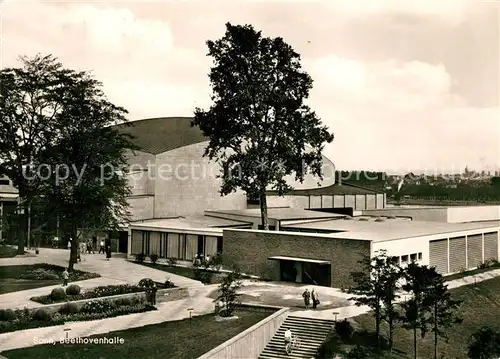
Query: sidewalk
<point>167,311</point>
<point>21,299</point>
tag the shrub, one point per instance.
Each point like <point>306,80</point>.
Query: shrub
<point>146,283</point>
<point>43,315</point>
<point>358,352</point>
<point>7,315</point>
<point>203,275</point>
<point>126,301</point>
<point>169,283</point>
<point>154,258</point>
<point>98,306</point>
<point>141,257</point>
<point>344,330</point>
<point>69,308</point>
<point>58,294</point>
<point>73,289</point>
<point>171,261</point>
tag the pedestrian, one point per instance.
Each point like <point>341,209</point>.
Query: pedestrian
<point>69,244</point>
<point>315,299</point>
<point>83,249</point>
<point>154,289</point>
<point>94,243</point>
<point>55,242</point>
<point>307,296</point>
<point>89,246</point>
<point>108,248</point>
<point>65,276</point>
<point>101,247</point>
<point>78,253</point>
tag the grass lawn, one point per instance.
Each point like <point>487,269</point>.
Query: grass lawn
<point>181,339</point>
<point>9,285</point>
<point>481,306</point>
<point>472,272</point>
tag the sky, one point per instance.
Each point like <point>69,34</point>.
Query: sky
<point>403,85</point>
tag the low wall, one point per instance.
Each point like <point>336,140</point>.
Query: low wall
<point>251,342</point>
<point>163,295</point>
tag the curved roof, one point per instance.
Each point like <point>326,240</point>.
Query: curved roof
<point>158,135</point>
<point>334,189</point>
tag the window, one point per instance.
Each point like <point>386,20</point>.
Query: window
<point>394,260</point>
<point>201,244</point>
<point>420,256</point>
<point>219,244</point>
<point>413,257</point>
<point>404,259</point>
<point>146,242</point>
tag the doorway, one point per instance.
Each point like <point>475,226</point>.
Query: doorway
<point>305,272</point>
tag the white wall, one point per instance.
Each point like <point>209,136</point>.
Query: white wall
<point>300,202</point>
<point>417,214</point>
<point>141,208</point>
<point>473,213</point>
<point>186,184</point>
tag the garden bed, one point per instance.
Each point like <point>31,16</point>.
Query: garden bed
<point>98,292</point>
<point>7,251</point>
<point>21,319</point>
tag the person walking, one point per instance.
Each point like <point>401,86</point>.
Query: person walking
<point>94,243</point>
<point>108,248</point>
<point>83,249</point>
<point>315,299</point>
<point>69,244</point>
<point>65,276</point>
<point>101,247</point>
<point>154,289</point>
<point>307,297</point>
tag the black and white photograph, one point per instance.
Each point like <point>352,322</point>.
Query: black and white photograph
<point>248,179</point>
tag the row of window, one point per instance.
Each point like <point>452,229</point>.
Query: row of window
<point>174,245</point>
<point>407,258</point>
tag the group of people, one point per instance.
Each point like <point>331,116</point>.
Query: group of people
<point>89,246</point>
<point>201,259</point>
<point>310,298</point>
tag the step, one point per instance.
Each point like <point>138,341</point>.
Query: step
<point>321,323</point>
<point>310,319</point>
<point>303,340</point>
<point>303,346</point>
<point>304,332</point>
<point>307,325</point>
<point>282,354</point>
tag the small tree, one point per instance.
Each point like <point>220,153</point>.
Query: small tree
<point>443,308</point>
<point>416,309</point>
<point>258,125</point>
<point>228,292</point>
<point>484,344</point>
<point>375,286</point>
<point>391,277</point>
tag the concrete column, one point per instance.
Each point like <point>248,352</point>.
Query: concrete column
<point>466,254</point>
<point>482,247</point>
<point>448,254</point>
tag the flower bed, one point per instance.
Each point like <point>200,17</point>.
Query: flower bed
<point>98,292</point>
<point>13,320</point>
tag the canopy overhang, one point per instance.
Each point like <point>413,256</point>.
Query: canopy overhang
<point>295,259</point>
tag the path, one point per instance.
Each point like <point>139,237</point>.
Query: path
<point>167,311</point>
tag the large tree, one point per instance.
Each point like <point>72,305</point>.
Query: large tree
<point>86,186</point>
<point>258,125</point>
<point>30,99</point>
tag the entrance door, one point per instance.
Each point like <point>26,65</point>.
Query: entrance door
<point>288,271</point>
<point>316,274</point>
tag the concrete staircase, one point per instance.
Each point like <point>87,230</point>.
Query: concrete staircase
<point>311,332</point>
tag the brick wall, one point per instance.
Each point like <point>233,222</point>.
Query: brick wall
<point>250,251</point>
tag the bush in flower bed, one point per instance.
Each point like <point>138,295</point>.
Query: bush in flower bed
<point>92,310</point>
<point>73,289</point>
<point>57,295</point>
<point>98,292</point>
<point>44,271</point>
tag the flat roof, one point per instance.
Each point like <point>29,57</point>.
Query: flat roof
<point>186,223</point>
<point>295,259</point>
<point>278,213</point>
<point>389,228</point>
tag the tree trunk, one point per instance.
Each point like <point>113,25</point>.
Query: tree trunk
<point>20,230</point>
<point>377,327</point>
<point>263,210</point>
<point>74,245</point>
<point>435,334</point>
<point>390,334</point>
<point>28,230</point>
<point>415,343</point>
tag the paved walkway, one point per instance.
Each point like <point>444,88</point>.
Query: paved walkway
<point>167,311</point>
